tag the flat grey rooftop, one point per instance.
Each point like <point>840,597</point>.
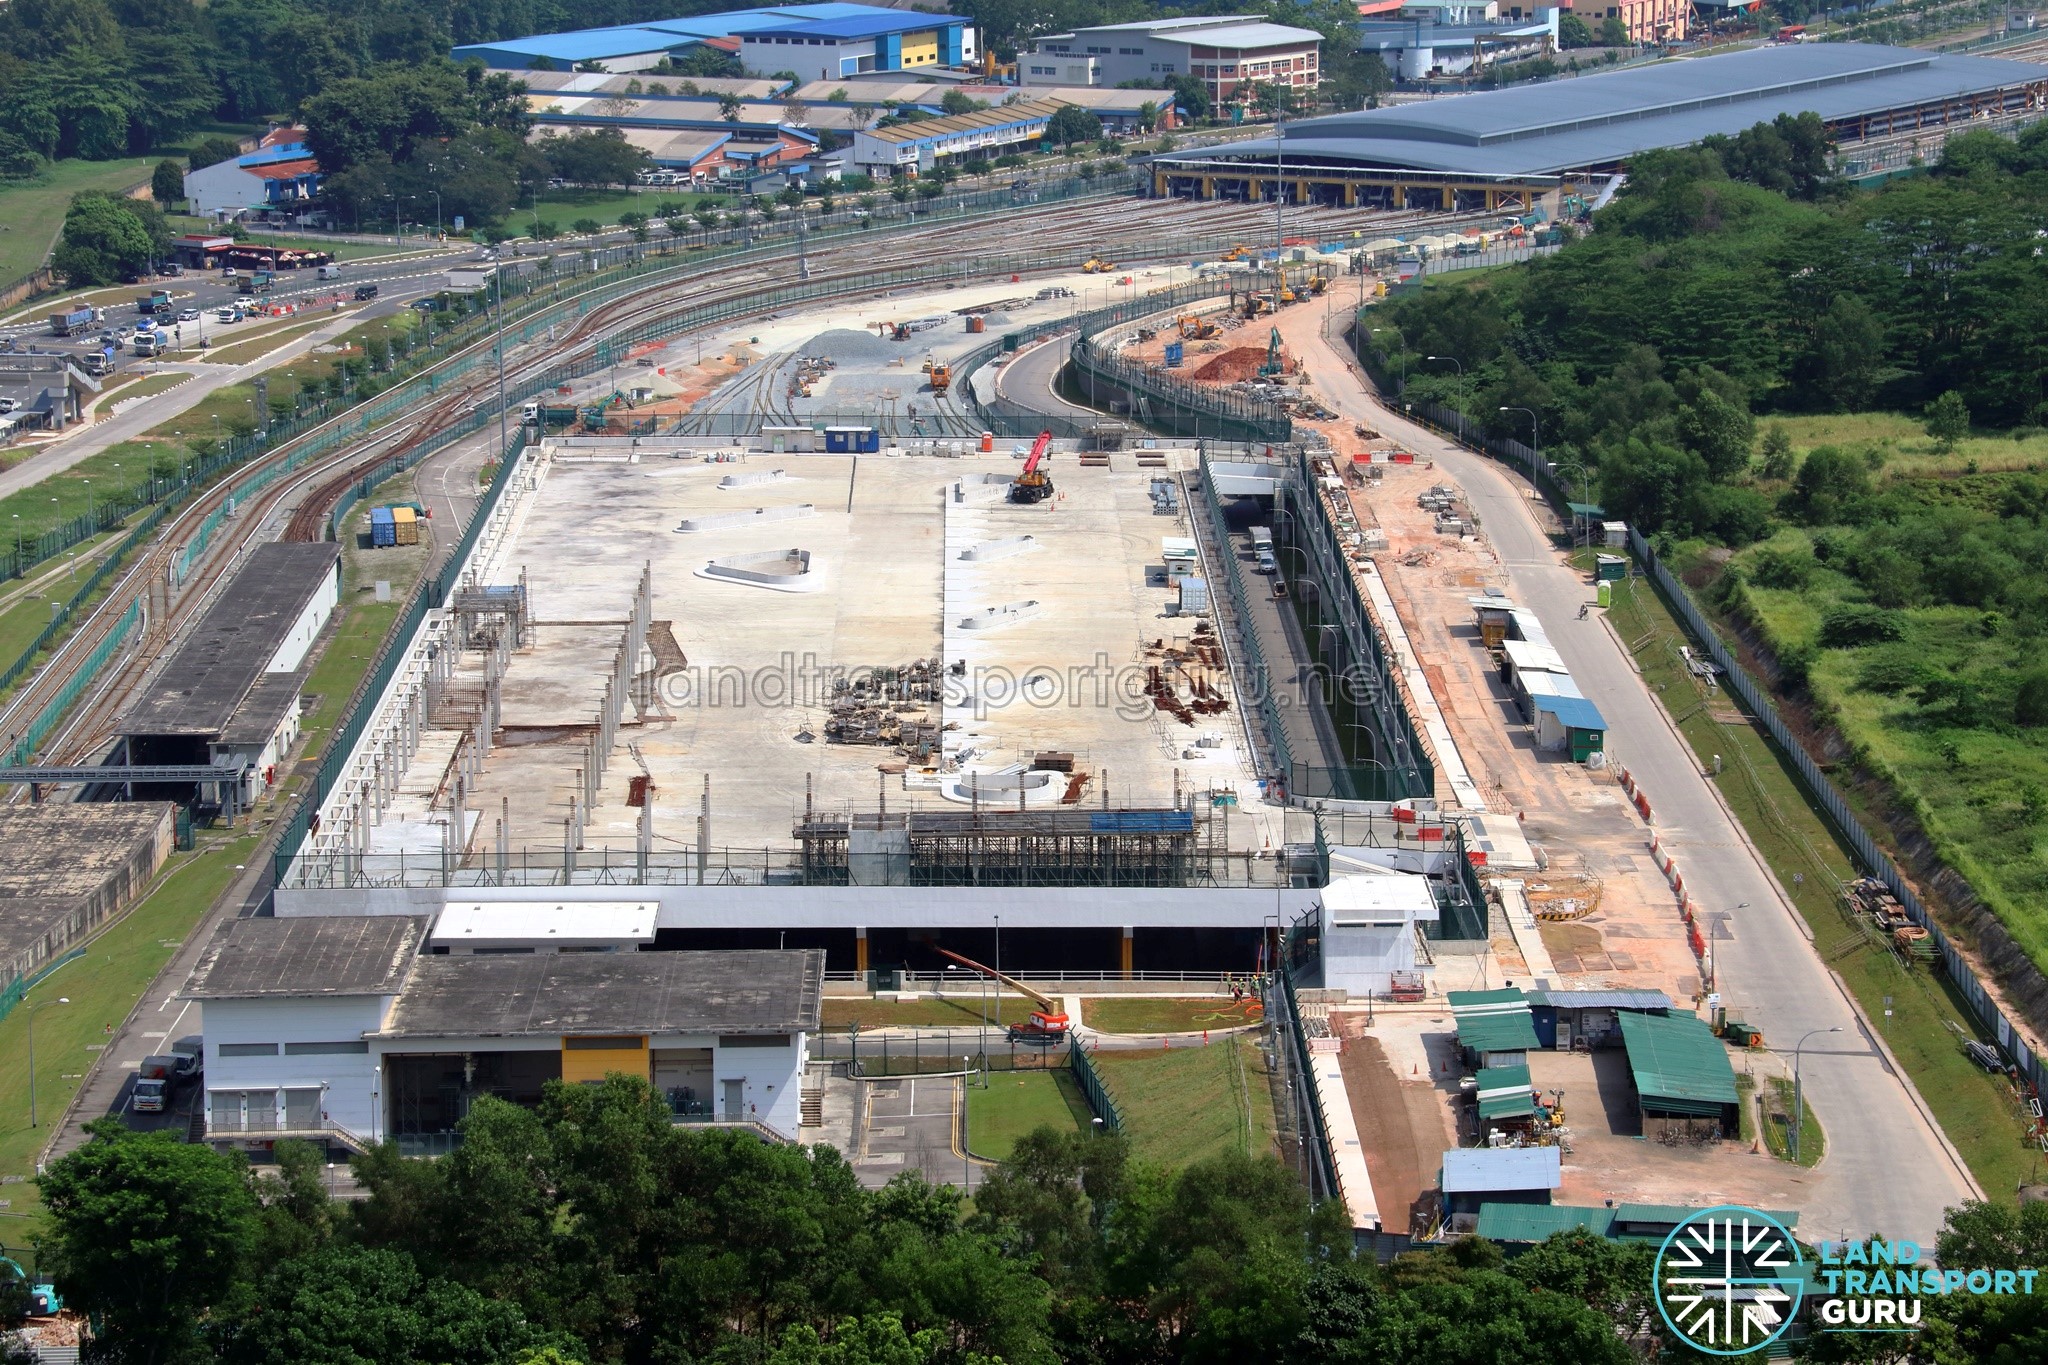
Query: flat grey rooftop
<point>311,955</point>
<point>1601,119</point>
<point>199,690</point>
<point>553,994</point>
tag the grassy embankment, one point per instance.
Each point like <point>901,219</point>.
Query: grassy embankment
<point>1980,1114</point>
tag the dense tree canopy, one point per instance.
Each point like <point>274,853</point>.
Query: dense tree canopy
<point>593,1229</point>
<point>1735,279</point>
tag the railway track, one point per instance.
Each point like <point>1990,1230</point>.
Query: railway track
<point>1136,230</point>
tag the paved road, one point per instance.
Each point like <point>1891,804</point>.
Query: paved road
<point>84,441</point>
<point>1887,1168</point>
<point>1028,379</point>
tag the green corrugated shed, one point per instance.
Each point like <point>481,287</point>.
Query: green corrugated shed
<point>1462,1001</point>
<point>1498,1032</point>
<point>1653,1222</point>
<point>1538,1222</point>
<point>1680,1067</point>
<point>1504,1092</point>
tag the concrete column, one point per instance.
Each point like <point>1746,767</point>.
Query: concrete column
<point>860,948</point>
<point>1124,947</point>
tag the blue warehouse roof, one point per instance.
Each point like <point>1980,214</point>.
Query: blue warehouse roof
<point>866,25</point>
<point>591,45</point>
<point>1602,119</point>
<point>1486,1170</point>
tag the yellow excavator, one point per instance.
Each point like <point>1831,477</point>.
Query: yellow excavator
<point>1048,1022</point>
<point>1193,328</point>
<point>1095,265</point>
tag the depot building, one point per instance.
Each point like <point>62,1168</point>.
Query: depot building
<point>354,1029</point>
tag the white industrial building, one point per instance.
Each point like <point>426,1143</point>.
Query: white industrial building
<point>1428,38</point>
<point>354,1029</point>
<point>1226,52</point>
<point>908,148</point>
<point>1369,928</point>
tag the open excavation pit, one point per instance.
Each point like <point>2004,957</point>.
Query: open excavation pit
<point>781,570</point>
<point>851,689</point>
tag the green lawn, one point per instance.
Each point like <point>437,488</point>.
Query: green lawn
<point>102,988</point>
<point>1979,1113</point>
<point>254,344</point>
<point>1778,1125</point>
<point>950,1012</point>
<point>1016,1103</point>
<point>1183,1104</point>
<point>32,211</point>
<point>1903,441</point>
<point>1167,1014</point>
<point>563,207</point>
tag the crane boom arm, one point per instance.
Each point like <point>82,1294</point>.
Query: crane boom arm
<point>1038,449</point>
<point>1039,998</point>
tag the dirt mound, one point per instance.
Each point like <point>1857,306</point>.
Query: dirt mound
<point>1231,366</point>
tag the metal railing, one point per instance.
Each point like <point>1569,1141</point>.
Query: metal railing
<point>1284,1012</point>
<point>1875,861</point>
<point>1983,1006</point>
<point>1093,1088</point>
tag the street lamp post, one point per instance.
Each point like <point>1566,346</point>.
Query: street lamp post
<point>1798,1092</point>
<point>1535,441</point>
<point>1453,359</point>
<point>31,1011</point>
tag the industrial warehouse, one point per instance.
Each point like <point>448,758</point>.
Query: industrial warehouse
<point>1508,149</point>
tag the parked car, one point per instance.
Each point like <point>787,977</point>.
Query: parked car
<point>426,305</point>
<point>9,404</point>
<point>228,273</point>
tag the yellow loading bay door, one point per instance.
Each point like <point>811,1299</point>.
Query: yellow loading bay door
<point>588,1060</point>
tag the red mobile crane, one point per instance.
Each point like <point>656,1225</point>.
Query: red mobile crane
<point>1049,1020</point>
<point>1034,484</point>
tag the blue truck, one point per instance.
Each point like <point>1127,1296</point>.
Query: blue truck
<point>70,320</point>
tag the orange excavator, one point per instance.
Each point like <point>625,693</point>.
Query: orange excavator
<point>1034,484</point>
<point>1048,1023</point>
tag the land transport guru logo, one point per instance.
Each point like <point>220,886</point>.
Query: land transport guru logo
<point>1729,1280</point>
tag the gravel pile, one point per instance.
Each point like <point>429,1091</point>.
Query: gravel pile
<point>997,319</point>
<point>849,347</point>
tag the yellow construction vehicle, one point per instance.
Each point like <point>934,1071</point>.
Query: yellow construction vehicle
<point>941,373</point>
<point>1287,295</point>
<point>1319,284</point>
<point>1096,266</point>
<point>1193,328</point>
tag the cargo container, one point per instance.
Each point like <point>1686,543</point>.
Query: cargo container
<point>1194,596</point>
<point>70,320</point>
<point>405,525</point>
<point>852,440</point>
<point>155,301</point>
<point>383,529</point>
